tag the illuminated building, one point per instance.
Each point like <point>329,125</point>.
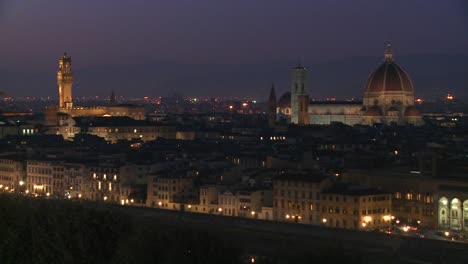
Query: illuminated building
<point>11,173</point>
<point>246,203</point>
<point>65,83</point>
<point>355,207</point>
<point>296,196</point>
<point>420,199</point>
<point>299,97</point>
<point>171,192</point>
<point>114,128</point>
<point>388,99</point>
<point>39,177</point>
<point>13,128</point>
<point>104,184</point>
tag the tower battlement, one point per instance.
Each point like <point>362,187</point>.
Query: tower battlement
<point>65,81</point>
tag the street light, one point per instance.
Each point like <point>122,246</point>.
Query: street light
<point>21,183</point>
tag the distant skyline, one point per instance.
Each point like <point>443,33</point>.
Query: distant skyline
<point>195,34</point>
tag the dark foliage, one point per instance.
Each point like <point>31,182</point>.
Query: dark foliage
<point>44,231</point>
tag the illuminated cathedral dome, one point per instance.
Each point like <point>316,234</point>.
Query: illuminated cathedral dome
<point>389,77</point>
<point>389,87</point>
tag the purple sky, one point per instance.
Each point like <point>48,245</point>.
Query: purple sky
<point>213,31</point>
<point>110,32</point>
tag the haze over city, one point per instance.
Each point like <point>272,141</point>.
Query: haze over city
<point>213,48</point>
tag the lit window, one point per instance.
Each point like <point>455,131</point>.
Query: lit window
<point>409,196</point>
<point>110,186</point>
<point>115,177</point>
<point>99,186</point>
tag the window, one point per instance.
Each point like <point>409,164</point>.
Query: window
<point>409,196</point>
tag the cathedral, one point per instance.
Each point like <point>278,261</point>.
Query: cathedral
<point>388,99</point>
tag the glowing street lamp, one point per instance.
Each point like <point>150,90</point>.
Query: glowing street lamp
<point>21,183</point>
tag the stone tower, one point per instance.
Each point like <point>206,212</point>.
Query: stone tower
<point>272,108</point>
<point>299,97</point>
<point>65,81</point>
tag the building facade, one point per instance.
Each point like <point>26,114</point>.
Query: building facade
<point>388,99</point>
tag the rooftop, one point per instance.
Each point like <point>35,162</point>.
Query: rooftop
<point>354,190</point>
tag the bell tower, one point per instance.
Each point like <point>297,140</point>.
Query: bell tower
<point>298,95</point>
<point>65,81</point>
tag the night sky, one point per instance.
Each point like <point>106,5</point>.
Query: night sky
<point>233,37</point>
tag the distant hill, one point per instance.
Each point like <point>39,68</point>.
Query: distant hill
<point>432,74</point>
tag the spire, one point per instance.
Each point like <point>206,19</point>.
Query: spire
<point>112,97</point>
<point>389,53</point>
<point>272,107</point>
<point>272,92</point>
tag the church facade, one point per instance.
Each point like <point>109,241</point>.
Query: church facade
<point>388,99</point>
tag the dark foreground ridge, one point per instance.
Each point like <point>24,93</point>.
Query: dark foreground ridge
<point>51,231</point>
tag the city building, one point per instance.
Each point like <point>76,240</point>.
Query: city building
<point>39,178</point>
<point>388,99</point>
<point>12,172</point>
<point>296,196</point>
<point>66,106</point>
<point>171,192</point>
<point>246,203</point>
<point>356,207</point>
<point>421,199</point>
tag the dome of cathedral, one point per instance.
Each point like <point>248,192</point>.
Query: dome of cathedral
<point>285,100</point>
<point>373,111</point>
<point>412,111</point>
<point>389,77</point>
